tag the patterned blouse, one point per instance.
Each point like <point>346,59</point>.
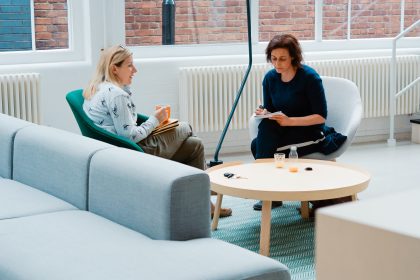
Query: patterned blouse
<point>112,108</point>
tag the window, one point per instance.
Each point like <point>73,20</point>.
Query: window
<point>224,21</point>
<point>411,15</point>
<point>33,25</point>
<point>195,22</point>
<point>51,24</point>
<point>297,17</point>
<point>368,19</point>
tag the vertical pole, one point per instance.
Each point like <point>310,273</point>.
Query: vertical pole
<point>168,22</point>
<point>402,15</point>
<point>318,20</point>
<point>349,20</point>
<point>392,92</point>
<point>216,160</point>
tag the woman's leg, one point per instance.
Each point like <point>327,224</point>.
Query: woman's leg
<point>168,143</point>
<point>264,146</point>
<point>268,138</point>
<point>191,153</point>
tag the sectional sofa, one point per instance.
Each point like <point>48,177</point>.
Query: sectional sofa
<point>76,208</point>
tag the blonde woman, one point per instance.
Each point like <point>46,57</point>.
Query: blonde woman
<point>109,105</point>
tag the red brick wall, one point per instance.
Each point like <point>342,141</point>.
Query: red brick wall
<point>293,16</point>
<point>196,22</point>
<point>371,19</point>
<point>51,27</point>
<point>412,14</point>
<point>216,21</point>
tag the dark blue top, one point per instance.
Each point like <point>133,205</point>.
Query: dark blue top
<point>302,96</point>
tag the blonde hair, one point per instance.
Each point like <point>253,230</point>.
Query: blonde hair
<point>114,55</point>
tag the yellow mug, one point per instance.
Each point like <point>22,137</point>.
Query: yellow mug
<point>167,108</point>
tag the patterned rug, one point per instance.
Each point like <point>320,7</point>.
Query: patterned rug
<point>292,239</point>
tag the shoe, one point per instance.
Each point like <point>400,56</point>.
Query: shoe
<point>328,202</point>
<point>224,212</point>
<point>311,212</point>
<point>274,204</point>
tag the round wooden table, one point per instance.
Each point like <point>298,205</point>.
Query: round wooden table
<point>261,180</point>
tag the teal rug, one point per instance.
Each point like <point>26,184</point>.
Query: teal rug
<point>292,239</point>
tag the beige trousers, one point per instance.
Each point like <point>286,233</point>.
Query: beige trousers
<point>177,144</point>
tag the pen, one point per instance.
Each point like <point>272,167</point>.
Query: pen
<point>260,106</point>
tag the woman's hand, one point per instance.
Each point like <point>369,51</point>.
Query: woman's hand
<point>261,111</point>
<point>282,120</point>
<point>161,114</point>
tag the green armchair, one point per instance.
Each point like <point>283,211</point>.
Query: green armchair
<point>89,129</point>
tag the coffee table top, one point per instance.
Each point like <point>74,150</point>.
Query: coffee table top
<point>263,181</point>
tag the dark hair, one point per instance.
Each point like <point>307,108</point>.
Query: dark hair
<point>289,42</point>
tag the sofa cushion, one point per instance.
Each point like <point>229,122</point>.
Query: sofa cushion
<point>157,197</point>
<point>54,161</point>
<point>80,245</point>
<point>17,200</point>
<point>8,128</point>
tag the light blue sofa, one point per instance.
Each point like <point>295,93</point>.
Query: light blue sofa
<point>76,208</point>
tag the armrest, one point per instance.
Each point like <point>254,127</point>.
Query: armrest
<point>160,198</point>
<point>253,127</point>
<point>141,119</point>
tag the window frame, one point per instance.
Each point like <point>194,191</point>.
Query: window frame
<point>87,17</point>
<point>77,34</point>
<point>316,45</point>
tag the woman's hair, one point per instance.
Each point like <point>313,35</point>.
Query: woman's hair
<point>111,56</point>
<point>289,42</point>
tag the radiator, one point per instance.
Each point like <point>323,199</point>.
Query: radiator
<point>19,96</point>
<point>207,93</point>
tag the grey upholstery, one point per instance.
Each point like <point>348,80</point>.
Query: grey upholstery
<point>344,113</point>
<point>8,128</point>
<point>148,218</point>
<point>83,246</point>
<point>55,161</point>
<point>19,200</point>
<point>171,194</point>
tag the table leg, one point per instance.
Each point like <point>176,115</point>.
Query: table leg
<point>304,209</point>
<point>265,228</point>
<point>216,214</point>
<point>354,197</point>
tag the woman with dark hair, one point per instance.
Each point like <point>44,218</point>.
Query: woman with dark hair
<point>295,90</point>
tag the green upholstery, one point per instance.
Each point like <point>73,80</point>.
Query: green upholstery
<point>89,129</point>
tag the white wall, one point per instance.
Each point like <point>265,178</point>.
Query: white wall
<point>157,79</point>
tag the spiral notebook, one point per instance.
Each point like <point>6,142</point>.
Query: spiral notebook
<point>165,126</point>
<point>269,115</point>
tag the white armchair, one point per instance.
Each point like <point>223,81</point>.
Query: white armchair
<point>344,113</point>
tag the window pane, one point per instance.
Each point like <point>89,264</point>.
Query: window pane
<point>334,19</point>
<point>15,26</point>
<point>281,16</point>
<point>412,14</point>
<point>196,22</point>
<point>375,19</point>
<point>51,24</point>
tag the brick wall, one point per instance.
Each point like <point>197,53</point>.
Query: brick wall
<point>51,28</point>
<point>196,22</point>
<point>15,25</point>
<point>214,21</point>
<point>294,16</point>
<point>370,19</point>
<point>209,21</point>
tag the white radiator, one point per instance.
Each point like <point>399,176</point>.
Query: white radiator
<point>19,96</point>
<point>207,93</point>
